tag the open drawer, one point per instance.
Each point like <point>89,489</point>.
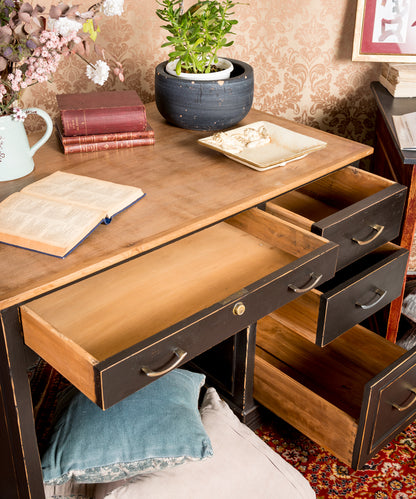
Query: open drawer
<point>114,332</point>
<point>355,293</point>
<point>351,397</point>
<point>354,208</point>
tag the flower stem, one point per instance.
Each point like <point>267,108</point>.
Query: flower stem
<point>85,60</point>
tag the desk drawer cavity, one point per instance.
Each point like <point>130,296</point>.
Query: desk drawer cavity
<point>108,333</point>
<point>355,293</point>
<point>351,397</point>
<point>354,208</point>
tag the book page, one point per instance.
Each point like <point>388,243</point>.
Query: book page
<point>46,226</point>
<point>85,191</point>
<point>405,125</point>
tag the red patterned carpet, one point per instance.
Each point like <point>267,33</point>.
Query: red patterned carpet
<point>391,474</point>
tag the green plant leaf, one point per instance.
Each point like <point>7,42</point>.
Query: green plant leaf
<point>198,33</point>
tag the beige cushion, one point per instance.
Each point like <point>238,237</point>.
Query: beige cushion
<point>243,466</point>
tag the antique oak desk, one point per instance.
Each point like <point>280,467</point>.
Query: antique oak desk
<point>195,263</point>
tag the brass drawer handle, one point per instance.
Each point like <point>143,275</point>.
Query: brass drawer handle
<point>409,404</point>
<point>380,294</point>
<point>179,353</point>
<point>378,228</point>
<point>315,279</point>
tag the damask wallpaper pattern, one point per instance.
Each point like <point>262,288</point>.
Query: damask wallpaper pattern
<point>300,52</point>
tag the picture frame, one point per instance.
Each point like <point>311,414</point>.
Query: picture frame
<point>385,31</point>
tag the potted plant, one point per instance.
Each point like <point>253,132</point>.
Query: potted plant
<point>196,36</point>
<point>195,88</point>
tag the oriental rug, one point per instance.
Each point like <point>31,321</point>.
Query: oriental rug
<point>391,474</point>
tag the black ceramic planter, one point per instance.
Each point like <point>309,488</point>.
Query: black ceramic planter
<point>205,105</point>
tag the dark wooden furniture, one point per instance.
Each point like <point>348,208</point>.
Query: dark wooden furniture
<point>351,396</point>
<point>393,163</point>
<point>195,264</point>
<point>339,383</point>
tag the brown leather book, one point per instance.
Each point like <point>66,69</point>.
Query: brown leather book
<point>107,146</point>
<point>147,133</point>
<point>101,112</point>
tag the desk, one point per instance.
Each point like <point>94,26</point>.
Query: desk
<point>393,163</point>
<point>188,188</point>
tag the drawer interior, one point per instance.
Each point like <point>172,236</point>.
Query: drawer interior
<point>311,313</point>
<point>337,372</point>
<point>326,196</point>
<point>319,390</point>
<point>113,310</point>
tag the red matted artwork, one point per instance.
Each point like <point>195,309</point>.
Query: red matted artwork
<point>385,30</point>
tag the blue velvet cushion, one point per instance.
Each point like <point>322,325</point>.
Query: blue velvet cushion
<point>156,427</point>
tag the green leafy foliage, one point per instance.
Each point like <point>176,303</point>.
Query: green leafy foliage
<point>197,34</point>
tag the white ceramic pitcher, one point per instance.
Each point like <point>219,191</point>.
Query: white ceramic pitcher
<point>16,156</point>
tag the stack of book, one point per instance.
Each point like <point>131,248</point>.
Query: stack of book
<point>100,121</point>
<point>399,79</point>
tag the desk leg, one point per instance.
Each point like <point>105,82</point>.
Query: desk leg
<point>229,367</point>
<point>20,470</point>
<point>245,348</point>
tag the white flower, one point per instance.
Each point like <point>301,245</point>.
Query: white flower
<point>99,73</point>
<point>64,26</point>
<point>112,7</point>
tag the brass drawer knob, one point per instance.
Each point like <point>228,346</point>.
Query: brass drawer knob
<point>239,308</point>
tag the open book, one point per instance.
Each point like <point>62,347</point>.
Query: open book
<point>54,214</point>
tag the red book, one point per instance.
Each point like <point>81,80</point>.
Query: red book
<point>102,137</point>
<point>107,146</point>
<point>101,112</point>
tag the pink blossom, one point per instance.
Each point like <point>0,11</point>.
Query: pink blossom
<point>19,114</point>
<point>58,39</point>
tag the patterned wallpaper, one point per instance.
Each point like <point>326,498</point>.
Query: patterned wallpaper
<point>300,52</point>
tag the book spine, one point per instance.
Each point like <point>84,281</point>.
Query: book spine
<point>107,146</point>
<point>110,137</point>
<point>103,120</point>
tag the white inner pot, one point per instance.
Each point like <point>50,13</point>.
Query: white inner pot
<point>225,66</point>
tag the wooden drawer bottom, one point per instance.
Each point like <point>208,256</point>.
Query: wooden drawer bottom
<point>351,397</point>
<point>115,332</point>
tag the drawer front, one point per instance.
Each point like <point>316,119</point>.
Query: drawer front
<point>353,300</point>
<point>123,374</point>
<point>389,406</point>
<point>365,225</point>
<point>129,371</point>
